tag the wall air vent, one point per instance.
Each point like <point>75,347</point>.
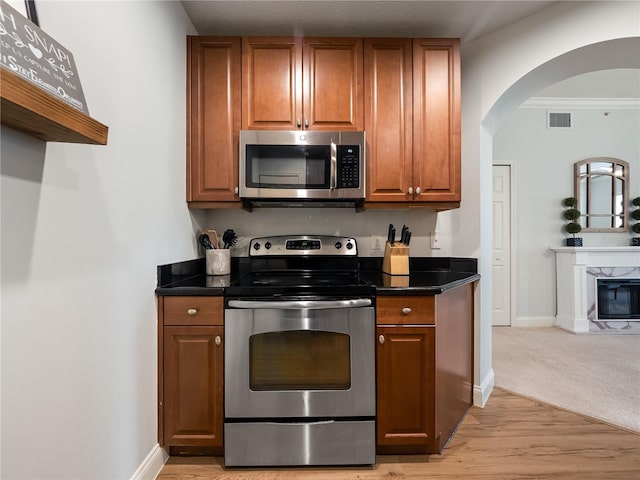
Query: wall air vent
<point>559,120</point>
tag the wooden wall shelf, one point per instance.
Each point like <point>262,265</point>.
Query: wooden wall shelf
<point>30,109</point>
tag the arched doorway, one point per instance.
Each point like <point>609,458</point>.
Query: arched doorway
<point>503,70</point>
<point>619,53</point>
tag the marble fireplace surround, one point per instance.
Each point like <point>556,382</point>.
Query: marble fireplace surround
<point>577,269</point>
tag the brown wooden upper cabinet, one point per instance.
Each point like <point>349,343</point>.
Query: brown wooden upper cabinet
<point>302,83</point>
<point>405,93</point>
<point>213,119</point>
<point>412,120</point>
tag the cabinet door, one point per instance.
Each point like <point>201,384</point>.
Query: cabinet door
<point>271,83</point>
<point>333,84</point>
<point>405,388</point>
<point>213,118</point>
<point>193,408</point>
<point>436,119</point>
<point>388,113</point>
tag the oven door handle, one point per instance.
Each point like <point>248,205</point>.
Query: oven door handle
<point>301,304</point>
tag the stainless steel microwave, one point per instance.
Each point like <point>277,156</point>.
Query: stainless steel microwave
<point>302,167</point>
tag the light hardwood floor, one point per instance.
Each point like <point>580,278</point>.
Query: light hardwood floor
<point>511,438</point>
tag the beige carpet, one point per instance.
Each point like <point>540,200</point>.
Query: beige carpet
<point>596,375</point>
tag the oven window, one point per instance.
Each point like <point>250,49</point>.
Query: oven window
<point>300,360</point>
<point>288,167</point>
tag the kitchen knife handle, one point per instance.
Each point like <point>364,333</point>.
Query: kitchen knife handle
<point>403,235</point>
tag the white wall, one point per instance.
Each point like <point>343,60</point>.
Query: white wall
<point>543,161</point>
<point>333,221</point>
<point>83,229</point>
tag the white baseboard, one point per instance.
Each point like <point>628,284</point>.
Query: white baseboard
<point>482,392</point>
<point>151,466</point>
<point>575,325</point>
<point>533,322</point>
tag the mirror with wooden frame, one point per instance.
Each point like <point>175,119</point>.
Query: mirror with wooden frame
<point>602,190</point>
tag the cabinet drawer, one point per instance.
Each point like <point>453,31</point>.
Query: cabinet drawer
<point>405,310</point>
<point>193,310</point>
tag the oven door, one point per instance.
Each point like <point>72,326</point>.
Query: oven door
<point>299,359</point>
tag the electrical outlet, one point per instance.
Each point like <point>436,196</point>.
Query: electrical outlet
<point>376,243</point>
<point>435,241</point>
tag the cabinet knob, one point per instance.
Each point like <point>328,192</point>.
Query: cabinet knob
<point>410,190</point>
<point>236,190</point>
<point>418,190</point>
<point>406,310</point>
<point>218,340</point>
<point>298,123</point>
<point>306,123</point>
<point>381,339</point>
<point>192,311</point>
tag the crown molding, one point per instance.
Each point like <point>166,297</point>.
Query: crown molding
<point>582,103</point>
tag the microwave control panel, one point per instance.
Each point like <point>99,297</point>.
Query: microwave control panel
<point>348,157</point>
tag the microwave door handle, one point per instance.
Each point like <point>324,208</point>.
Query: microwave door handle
<point>334,166</point>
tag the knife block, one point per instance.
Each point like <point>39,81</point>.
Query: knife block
<point>396,259</point>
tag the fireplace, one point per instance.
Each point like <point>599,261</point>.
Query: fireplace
<point>578,272</point>
<point>618,299</point>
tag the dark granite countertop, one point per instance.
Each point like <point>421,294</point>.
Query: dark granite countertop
<point>429,276</point>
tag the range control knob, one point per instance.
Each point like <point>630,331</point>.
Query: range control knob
<point>349,245</point>
<point>338,245</point>
<point>256,246</point>
<point>267,245</point>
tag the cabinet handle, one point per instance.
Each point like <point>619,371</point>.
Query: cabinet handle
<point>381,339</point>
<point>410,190</point>
<point>192,311</point>
<point>306,123</point>
<point>236,190</point>
<point>418,190</point>
<point>406,310</point>
<point>298,123</point>
<point>218,340</point>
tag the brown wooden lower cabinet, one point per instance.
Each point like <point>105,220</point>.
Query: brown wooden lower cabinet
<point>191,374</point>
<point>424,369</point>
<point>405,397</point>
<point>192,386</point>
<point>424,359</point>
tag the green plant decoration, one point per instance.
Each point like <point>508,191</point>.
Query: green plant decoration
<point>635,215</point>
<point>572,214</point>
<point>573,228</point>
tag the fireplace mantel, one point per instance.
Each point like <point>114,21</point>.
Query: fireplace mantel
<point>597,249</point>
<point>572,284</point>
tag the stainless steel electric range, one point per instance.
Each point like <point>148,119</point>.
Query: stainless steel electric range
<point>300,356</point>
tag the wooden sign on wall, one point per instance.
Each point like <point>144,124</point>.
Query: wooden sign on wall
<point>29,52</point>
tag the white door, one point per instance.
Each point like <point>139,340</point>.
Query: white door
<point>501,250</point>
